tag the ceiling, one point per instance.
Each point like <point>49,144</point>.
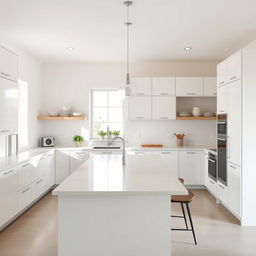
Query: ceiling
<point>161,29</point>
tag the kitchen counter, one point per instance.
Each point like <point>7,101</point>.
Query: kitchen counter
<point>125,210</point>
<point>168,148</point>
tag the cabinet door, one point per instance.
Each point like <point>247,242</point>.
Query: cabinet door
<point>25,175</point>
<point>189,86</point>
<point>234,122</point>
<point>38,188</point>
<point>49,170</point>
<point>8,195</point>
<point>62,165</point>
<point>141,86</point>
<point>163,108</point>
<point>163,86</point>
<point>8,64</point>
<point>205,173</point>
<point>77,158</point>
<point>139,108</point>
<point>170,159</point>
<point>234,66</point>
<point>190,163</point>
<point>234,189</point>
<point>222,192</point>
<point>24,197</point>
<point>8,105</point>
<point>210,86</point>
<point>222,99</point>
<point>212,186</point>
<point>222,73</point>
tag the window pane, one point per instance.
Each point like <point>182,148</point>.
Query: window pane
<point>100,115</point>
<point>115,99</point>
<point>115,115</point>
<point>100,98</point>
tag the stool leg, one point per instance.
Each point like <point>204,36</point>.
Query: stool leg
<point>184,215</point>
<point>191,223</point>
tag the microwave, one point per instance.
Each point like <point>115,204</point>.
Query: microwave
<point>222,125</point>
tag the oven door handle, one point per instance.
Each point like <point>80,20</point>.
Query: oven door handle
<point>213,161</point>
<point>221,122</point>
<point>222,139</point>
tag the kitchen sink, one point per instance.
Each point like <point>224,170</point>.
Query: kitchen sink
<point>106,147</point>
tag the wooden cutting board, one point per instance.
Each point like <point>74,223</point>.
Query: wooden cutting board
<point>152,145</point>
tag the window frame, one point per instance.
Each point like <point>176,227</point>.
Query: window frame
<point>91,107</point>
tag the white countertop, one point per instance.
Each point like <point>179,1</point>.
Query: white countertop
<point>105,175</point>
<point>168,148</point>
<point>9,162</point>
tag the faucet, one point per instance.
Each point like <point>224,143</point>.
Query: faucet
<point>123,141</point>
<point>108,136</point>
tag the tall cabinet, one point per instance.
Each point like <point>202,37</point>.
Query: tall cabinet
<point>236,80</point>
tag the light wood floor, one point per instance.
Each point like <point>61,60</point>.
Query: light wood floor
<point>218,232</point>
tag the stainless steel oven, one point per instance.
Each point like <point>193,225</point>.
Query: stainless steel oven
<point>212,166</point>
<point>222,159</point>
<point>222,125</point>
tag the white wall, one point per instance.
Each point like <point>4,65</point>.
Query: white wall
<point>29,71</point>
<point>69,84</point>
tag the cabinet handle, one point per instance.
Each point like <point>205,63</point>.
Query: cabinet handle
<point>165,153</point>
<point>222,82</point>
<point>5,130</point>
<point>39,181</point>
<point>164,93</point>
<point>163,117</point>
<point>214,93</point>
<point>213,161</point>
<point>139,117</point>
<point>140,94</point>
<point>25,165</point>
<point>212,182</point>
<point>232,78</point>
<point>221,186</point>
<point>221,111</point>
<point>5,173</point>
<point>221,139</point>
<point>191,153</point>
<point>190,93</point>
<point>233,167</point>
<point>27,189</point>
<point>5,74</point>
<point>139,153</point>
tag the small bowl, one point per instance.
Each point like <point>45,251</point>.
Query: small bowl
<point>53,113</point>
<point>77,114</point>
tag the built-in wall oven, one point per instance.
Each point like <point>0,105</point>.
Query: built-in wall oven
<point>212,166</point>
<point>222,148</point>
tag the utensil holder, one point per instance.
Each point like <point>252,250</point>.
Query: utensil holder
<point>179,142</point>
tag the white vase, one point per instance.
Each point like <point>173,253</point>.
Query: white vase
<point>196,111</point>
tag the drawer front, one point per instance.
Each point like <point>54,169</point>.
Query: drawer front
<point>38,188</point>
<point>25,175</point>
<point>24,197</point>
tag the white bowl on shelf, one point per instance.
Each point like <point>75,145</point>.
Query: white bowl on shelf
<point>184,114</point>
<point>77,114</point>
<point>209,114</point>
<point>53,113</point>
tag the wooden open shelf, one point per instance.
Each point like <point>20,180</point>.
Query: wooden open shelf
<point>196,118</point>
<point>61,118</point>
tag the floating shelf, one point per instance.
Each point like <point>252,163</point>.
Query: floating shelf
<point>61,118</point>
<point>196,118</point>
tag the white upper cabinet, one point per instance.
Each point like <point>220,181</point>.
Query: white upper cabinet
<point>210,86</point>
<point>189,86</point>
<point>163,86</point>
<point>141,86</point>
<point>222,71</point>
<point>163,108</point>
<point>190,163</point>
<point>222,99</point>
<point>234,66</point>
<point>8,64</point>
<point>234,122</point>
<point>8,105</point>
<point>139,108</point>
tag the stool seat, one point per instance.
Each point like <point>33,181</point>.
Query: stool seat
<point>183,199</point>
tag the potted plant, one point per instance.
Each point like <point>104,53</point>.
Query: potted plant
<point>78,140</point>
<point>116,133</point>
<point>102,134</point>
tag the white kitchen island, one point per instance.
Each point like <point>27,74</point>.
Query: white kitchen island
<point>111,210</point>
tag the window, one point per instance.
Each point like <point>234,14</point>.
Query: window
<point>106,111</point>
<point>23,114</point>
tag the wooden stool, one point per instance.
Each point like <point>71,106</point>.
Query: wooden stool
<point>184,200</point>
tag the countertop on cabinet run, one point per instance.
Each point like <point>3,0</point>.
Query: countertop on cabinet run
<point>105,175</point>
<point>10,162</point>
<point>168,148</point>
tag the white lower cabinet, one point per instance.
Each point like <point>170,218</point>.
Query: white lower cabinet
<point>222,192</point>
<point>62,165</point>
<point>25,174</point>
<point>38,188</point>
<point>8,195</point>
<point>212,186</point>
<point>76,159</point>
<point>171,160</point>
<point>24,197</point>
<point>190,167</point>
<point>234,189</point>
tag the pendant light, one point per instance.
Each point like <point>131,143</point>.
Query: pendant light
<point>128,24</point>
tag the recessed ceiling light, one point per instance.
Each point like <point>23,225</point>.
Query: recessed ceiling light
<point>70,48</point>
<point>187,48</point>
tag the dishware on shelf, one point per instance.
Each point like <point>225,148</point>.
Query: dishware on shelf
<point>180,139</point>
<point>77,114</point>
<point>196,111</point>
<point>53,113</point>
<point>184,114</point>
<point>66,111</point>
<point>208,114</point>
